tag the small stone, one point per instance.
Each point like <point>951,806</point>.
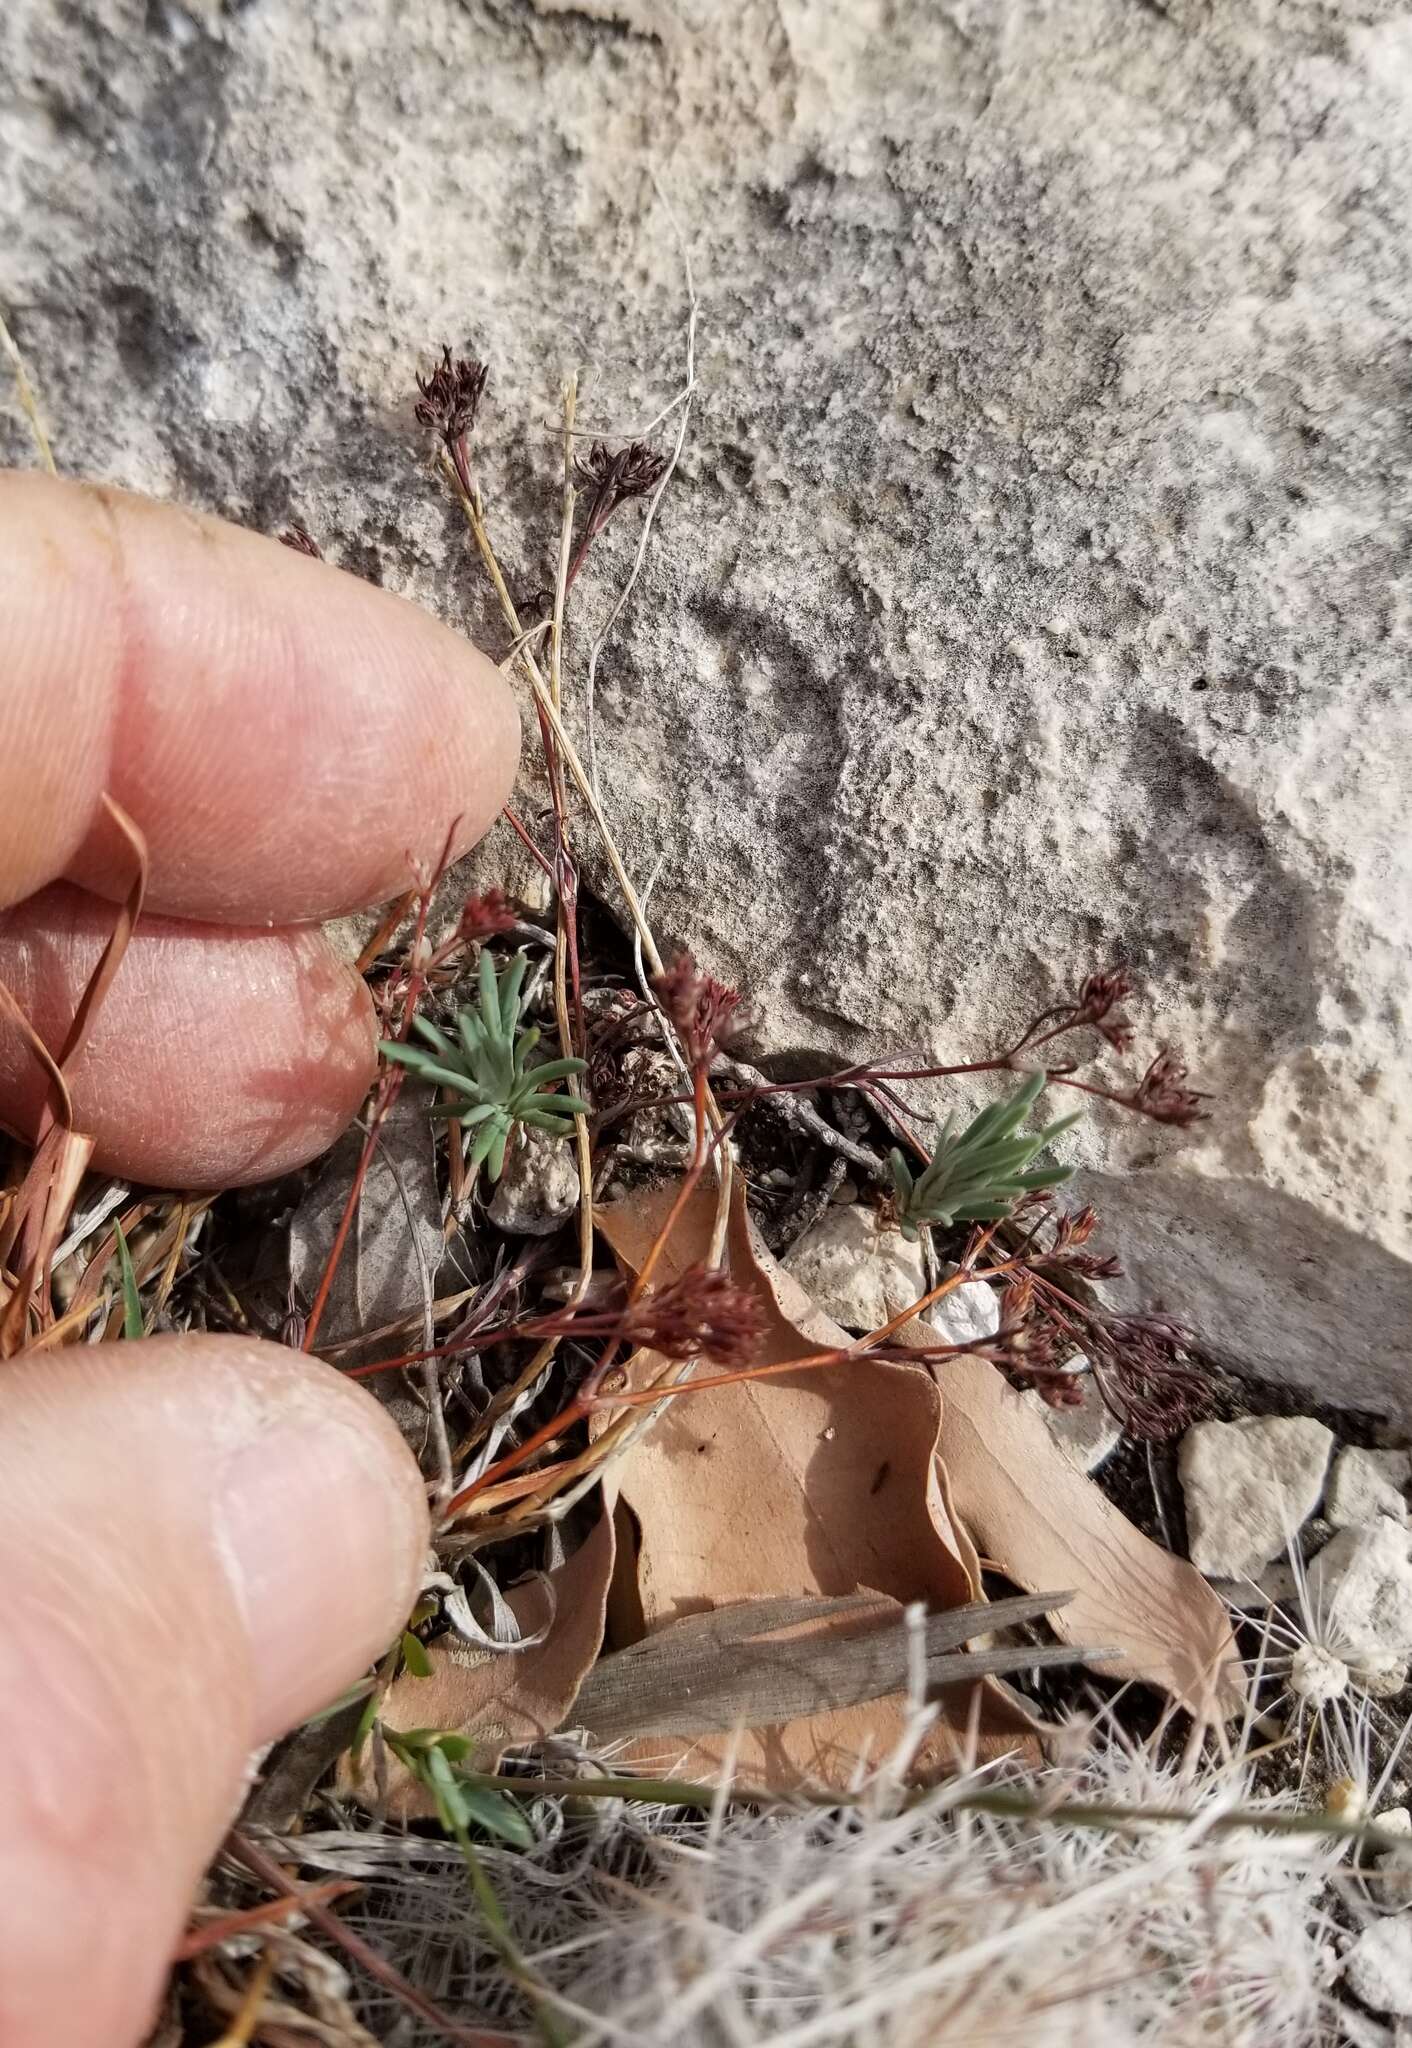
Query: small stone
<point>970,1314</point>
<point>1366,1484</point>
<point>1362,1583</point>
<point>1248,1486</point>
<point>845,1192</point>
<point>539,1188</point>
<point>1378,1967</point>
<point>1088,1433</point>
<point>855,1269</point>
<point>1395,1863</point>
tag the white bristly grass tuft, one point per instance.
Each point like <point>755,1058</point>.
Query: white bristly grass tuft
<point>888,1925</point>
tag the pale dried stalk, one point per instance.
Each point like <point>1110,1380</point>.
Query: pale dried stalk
<point>29,404</point>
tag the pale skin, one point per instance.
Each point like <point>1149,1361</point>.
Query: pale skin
<point>202,1539</point>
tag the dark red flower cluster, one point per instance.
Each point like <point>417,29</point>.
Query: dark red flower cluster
<point>451,396</point>
<point>703,1314</point>
<point>702,1011</point>
<point>1163,1095</point>
<point>485,916</point>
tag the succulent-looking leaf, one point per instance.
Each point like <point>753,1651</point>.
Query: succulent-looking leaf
<point>977,1175</point>
<point>487,1074</point>
<point>414,1655</point>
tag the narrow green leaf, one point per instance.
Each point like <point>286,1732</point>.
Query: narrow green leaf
<point>495,1157</point>
<point>497,1814</point>
<point>365,1726</point>
<point>510,993</point>
<point>347,1698</point>
<point>554,1070</point>
<point>437,1040</point>
<point>414,1655</point>
<point>132,1300</point>
<point>480,1150</point>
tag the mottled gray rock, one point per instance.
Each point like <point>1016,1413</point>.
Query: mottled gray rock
<point>1248,1486</point>
<point>855,1269</point>
<point>1361,1582</point>
<point>1366,1484</point>
<point>1033,591</point>
<point>539,1187</point>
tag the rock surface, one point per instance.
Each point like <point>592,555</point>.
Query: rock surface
<point>539,1187</point>
<point>1378,1967</point>
<point>1248,1486</point>
<point>1366,1484</point>
<point>856,1271</point>
<point>1361,1582</point>
<point>1034,590</point>
<point>1089,1433</point>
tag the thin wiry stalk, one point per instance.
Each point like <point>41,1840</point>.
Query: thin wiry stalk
<point>29,404</point>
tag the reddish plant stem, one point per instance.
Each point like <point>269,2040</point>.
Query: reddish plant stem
<point>378,1968</point>
<point>389,1088</point>
<point>269,1913</point>
<point>581,1406</point>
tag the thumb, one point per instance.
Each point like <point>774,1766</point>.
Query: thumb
<point>202,1539</point>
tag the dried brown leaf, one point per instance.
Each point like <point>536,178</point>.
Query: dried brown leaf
<point>815,1483</point>
<point>502,1698</point>
<point>1042,1522</point>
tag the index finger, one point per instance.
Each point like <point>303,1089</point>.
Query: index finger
<point>288,737</point>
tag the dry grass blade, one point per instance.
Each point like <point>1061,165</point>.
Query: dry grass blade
<point>768,1661</point>
<point>255,1860</point>
<point>111,958</point>
<point>29,404</point>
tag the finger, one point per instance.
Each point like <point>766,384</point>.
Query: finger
<point>202,1541</point>
<point>285,735</point>
<point>218,1056</point>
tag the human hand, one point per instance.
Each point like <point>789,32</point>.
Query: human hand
<point>202,1539</point>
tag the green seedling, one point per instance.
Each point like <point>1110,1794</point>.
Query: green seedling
<point>977,1175</point>
<point>488,1071</point>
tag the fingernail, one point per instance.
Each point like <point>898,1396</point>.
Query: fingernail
<point>324,1534</point>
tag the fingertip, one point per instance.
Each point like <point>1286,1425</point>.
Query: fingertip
<point>201,1540</point>
<point>220,1056</point>
<point>292,740</point>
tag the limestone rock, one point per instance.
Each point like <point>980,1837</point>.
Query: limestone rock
<point>1366,1484</point>
<point>1378,1967</point>
<point>856,1270</point>
<point>1248,1486</point>
<point>972,1311</point>
<point>539,1187</point>
<point>1030,592</point>
<point>1362,1582</point>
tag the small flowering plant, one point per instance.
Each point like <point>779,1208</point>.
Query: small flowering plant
<point>487,1072</point>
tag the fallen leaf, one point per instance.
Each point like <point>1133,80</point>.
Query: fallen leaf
<point>502,1698</point>
<point>799,1485</point>
<point>389,1264</point>
<point>1043,1522</point>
